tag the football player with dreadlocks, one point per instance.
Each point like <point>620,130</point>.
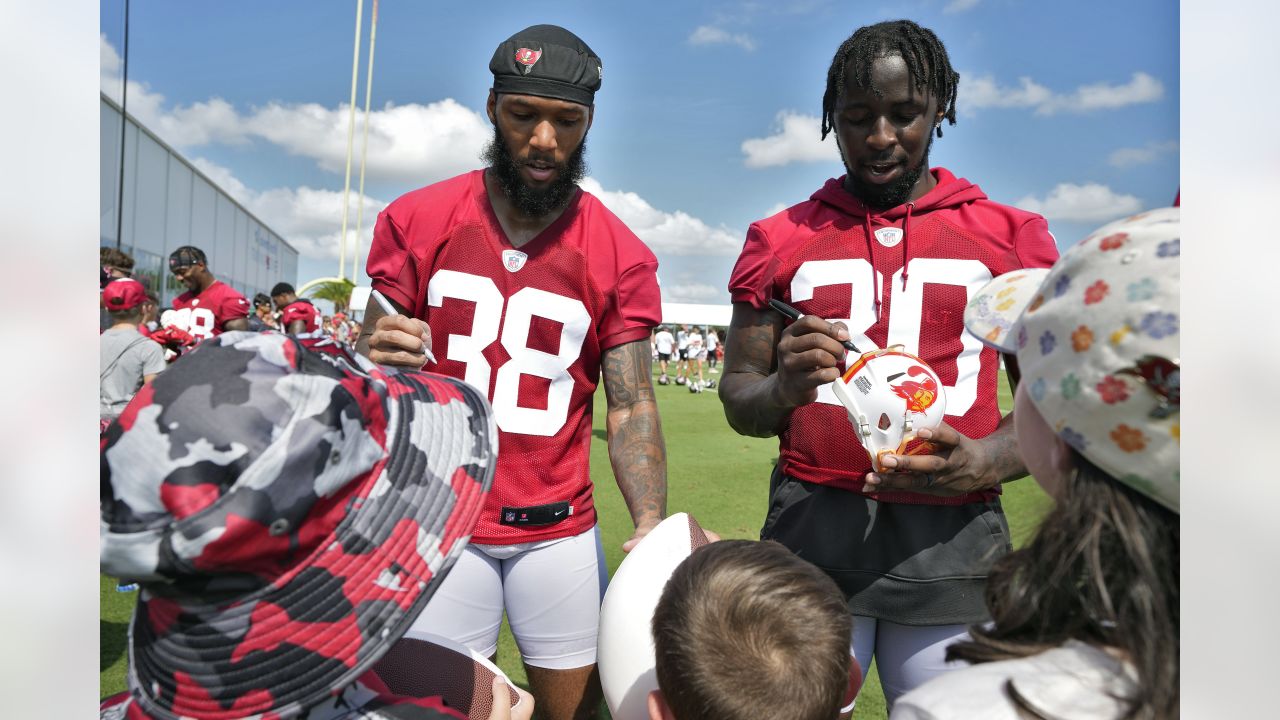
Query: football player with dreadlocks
<point>888,254</point>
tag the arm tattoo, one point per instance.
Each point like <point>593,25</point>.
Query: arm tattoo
<point>1006,460</point>
<point>636,448</point>
<point>750,366</point>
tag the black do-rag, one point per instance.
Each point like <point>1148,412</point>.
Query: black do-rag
<point>547,61</point>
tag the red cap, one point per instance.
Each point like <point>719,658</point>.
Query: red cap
<point>123,294</point>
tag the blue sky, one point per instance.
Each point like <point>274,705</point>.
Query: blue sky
<point>707,119</point>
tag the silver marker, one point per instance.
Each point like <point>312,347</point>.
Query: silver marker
<point>389,309</point>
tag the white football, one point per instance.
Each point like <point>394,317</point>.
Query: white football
<point>626,655</point>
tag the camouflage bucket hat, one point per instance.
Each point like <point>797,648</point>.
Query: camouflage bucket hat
<point>288,513</point>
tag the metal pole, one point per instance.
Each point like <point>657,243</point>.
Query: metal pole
<point>124,114</point>
<point>364,145</point>
<point>351,127</point>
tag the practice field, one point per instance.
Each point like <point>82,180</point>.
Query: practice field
<point>715,474</point>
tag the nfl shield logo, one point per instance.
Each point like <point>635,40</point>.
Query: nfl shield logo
<point>513,260</point>
<point>889,236</point>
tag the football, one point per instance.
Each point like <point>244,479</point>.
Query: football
<point>626,656</point>
<point>424,665</point>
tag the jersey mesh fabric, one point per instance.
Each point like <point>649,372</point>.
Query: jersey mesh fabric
<point>586,265</point>
<point>819,444</point>
<point>224,301</point>
<point>301,310</point>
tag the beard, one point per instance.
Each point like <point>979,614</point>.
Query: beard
<point>532,202</point>
<point>889,195</point>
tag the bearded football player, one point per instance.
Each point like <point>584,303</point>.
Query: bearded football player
<point>528,288</point>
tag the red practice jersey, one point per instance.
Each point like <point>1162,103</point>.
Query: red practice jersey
<point>300,310</point>
<point>899,276</point>
<point>204,315</point>
<point>528,326</point>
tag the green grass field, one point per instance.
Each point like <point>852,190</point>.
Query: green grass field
<point>715,474</point>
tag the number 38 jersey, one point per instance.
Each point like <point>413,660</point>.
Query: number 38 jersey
<point>898,276</point>
<point>528,326</point>
<point>204,315</point>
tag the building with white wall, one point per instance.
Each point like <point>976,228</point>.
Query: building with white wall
<point>169,203</point>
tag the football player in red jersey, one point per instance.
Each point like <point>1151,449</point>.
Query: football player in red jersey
<point>888,254</point>
<point>209,307</point>
<point>297,315</point>
<point>530,289</point>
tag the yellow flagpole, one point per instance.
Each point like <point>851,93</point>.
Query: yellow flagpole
<point>364,144</point>
<point>351,126</point>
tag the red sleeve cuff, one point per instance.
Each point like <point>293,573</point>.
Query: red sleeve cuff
<point>624,337</point>
<point>395,295</point>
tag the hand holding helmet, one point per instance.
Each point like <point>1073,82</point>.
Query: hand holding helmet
<point>890,395</point>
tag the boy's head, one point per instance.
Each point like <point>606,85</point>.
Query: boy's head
<point>747,629</point>
<point>124,299</point>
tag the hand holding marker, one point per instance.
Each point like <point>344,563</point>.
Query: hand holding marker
<point>795,314</point>
<point>389,309</point>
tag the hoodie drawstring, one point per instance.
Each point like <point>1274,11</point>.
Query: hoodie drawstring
<point>906,249</point>
<point>871,258</point>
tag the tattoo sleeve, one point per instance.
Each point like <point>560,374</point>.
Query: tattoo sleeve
<point>636,448</point>
<point>748,387</point>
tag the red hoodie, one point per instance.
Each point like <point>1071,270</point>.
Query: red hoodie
<point>897,276</point>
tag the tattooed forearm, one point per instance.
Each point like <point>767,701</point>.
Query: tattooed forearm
<point>748,388</point>
<point>636,448</point>
<point>1002,446</point>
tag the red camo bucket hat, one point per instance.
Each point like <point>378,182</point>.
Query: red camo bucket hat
<point>288,513</point>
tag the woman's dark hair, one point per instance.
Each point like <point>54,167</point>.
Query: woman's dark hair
<point>1102,569</point>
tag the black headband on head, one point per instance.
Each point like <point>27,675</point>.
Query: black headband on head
<point>185,257</point>
<point>547,61</point>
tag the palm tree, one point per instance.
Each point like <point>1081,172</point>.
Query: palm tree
<point>335,290</point>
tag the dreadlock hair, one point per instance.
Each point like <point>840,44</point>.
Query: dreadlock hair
<point>923,52</point>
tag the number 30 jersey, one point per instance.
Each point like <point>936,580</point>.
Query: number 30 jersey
<point>897,276</point>
<point>527,326</point>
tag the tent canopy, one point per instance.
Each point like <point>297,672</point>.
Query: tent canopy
<point>695,314</point>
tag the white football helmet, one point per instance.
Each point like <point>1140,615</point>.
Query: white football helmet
<point>890,395</point>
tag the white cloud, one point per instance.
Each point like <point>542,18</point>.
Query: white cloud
<point>1090,202</point>
<point>309,218</point>
<point>692,293</point>
<point>982,91</point>
<point>1128,157</point>
<point>666,233</point>
<point>777,208</point>
<point>416,143</point>
<point>797,138</point>
<point>711,35</point>
<point>959,6</point>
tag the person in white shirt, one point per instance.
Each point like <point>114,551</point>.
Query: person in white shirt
<point>713,343</point>
<point>665,343</point>
<point>697,357</point>
<point>682,361</point>
<point>1085,617</point>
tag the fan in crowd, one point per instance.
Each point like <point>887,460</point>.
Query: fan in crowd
<point>129,359</point>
